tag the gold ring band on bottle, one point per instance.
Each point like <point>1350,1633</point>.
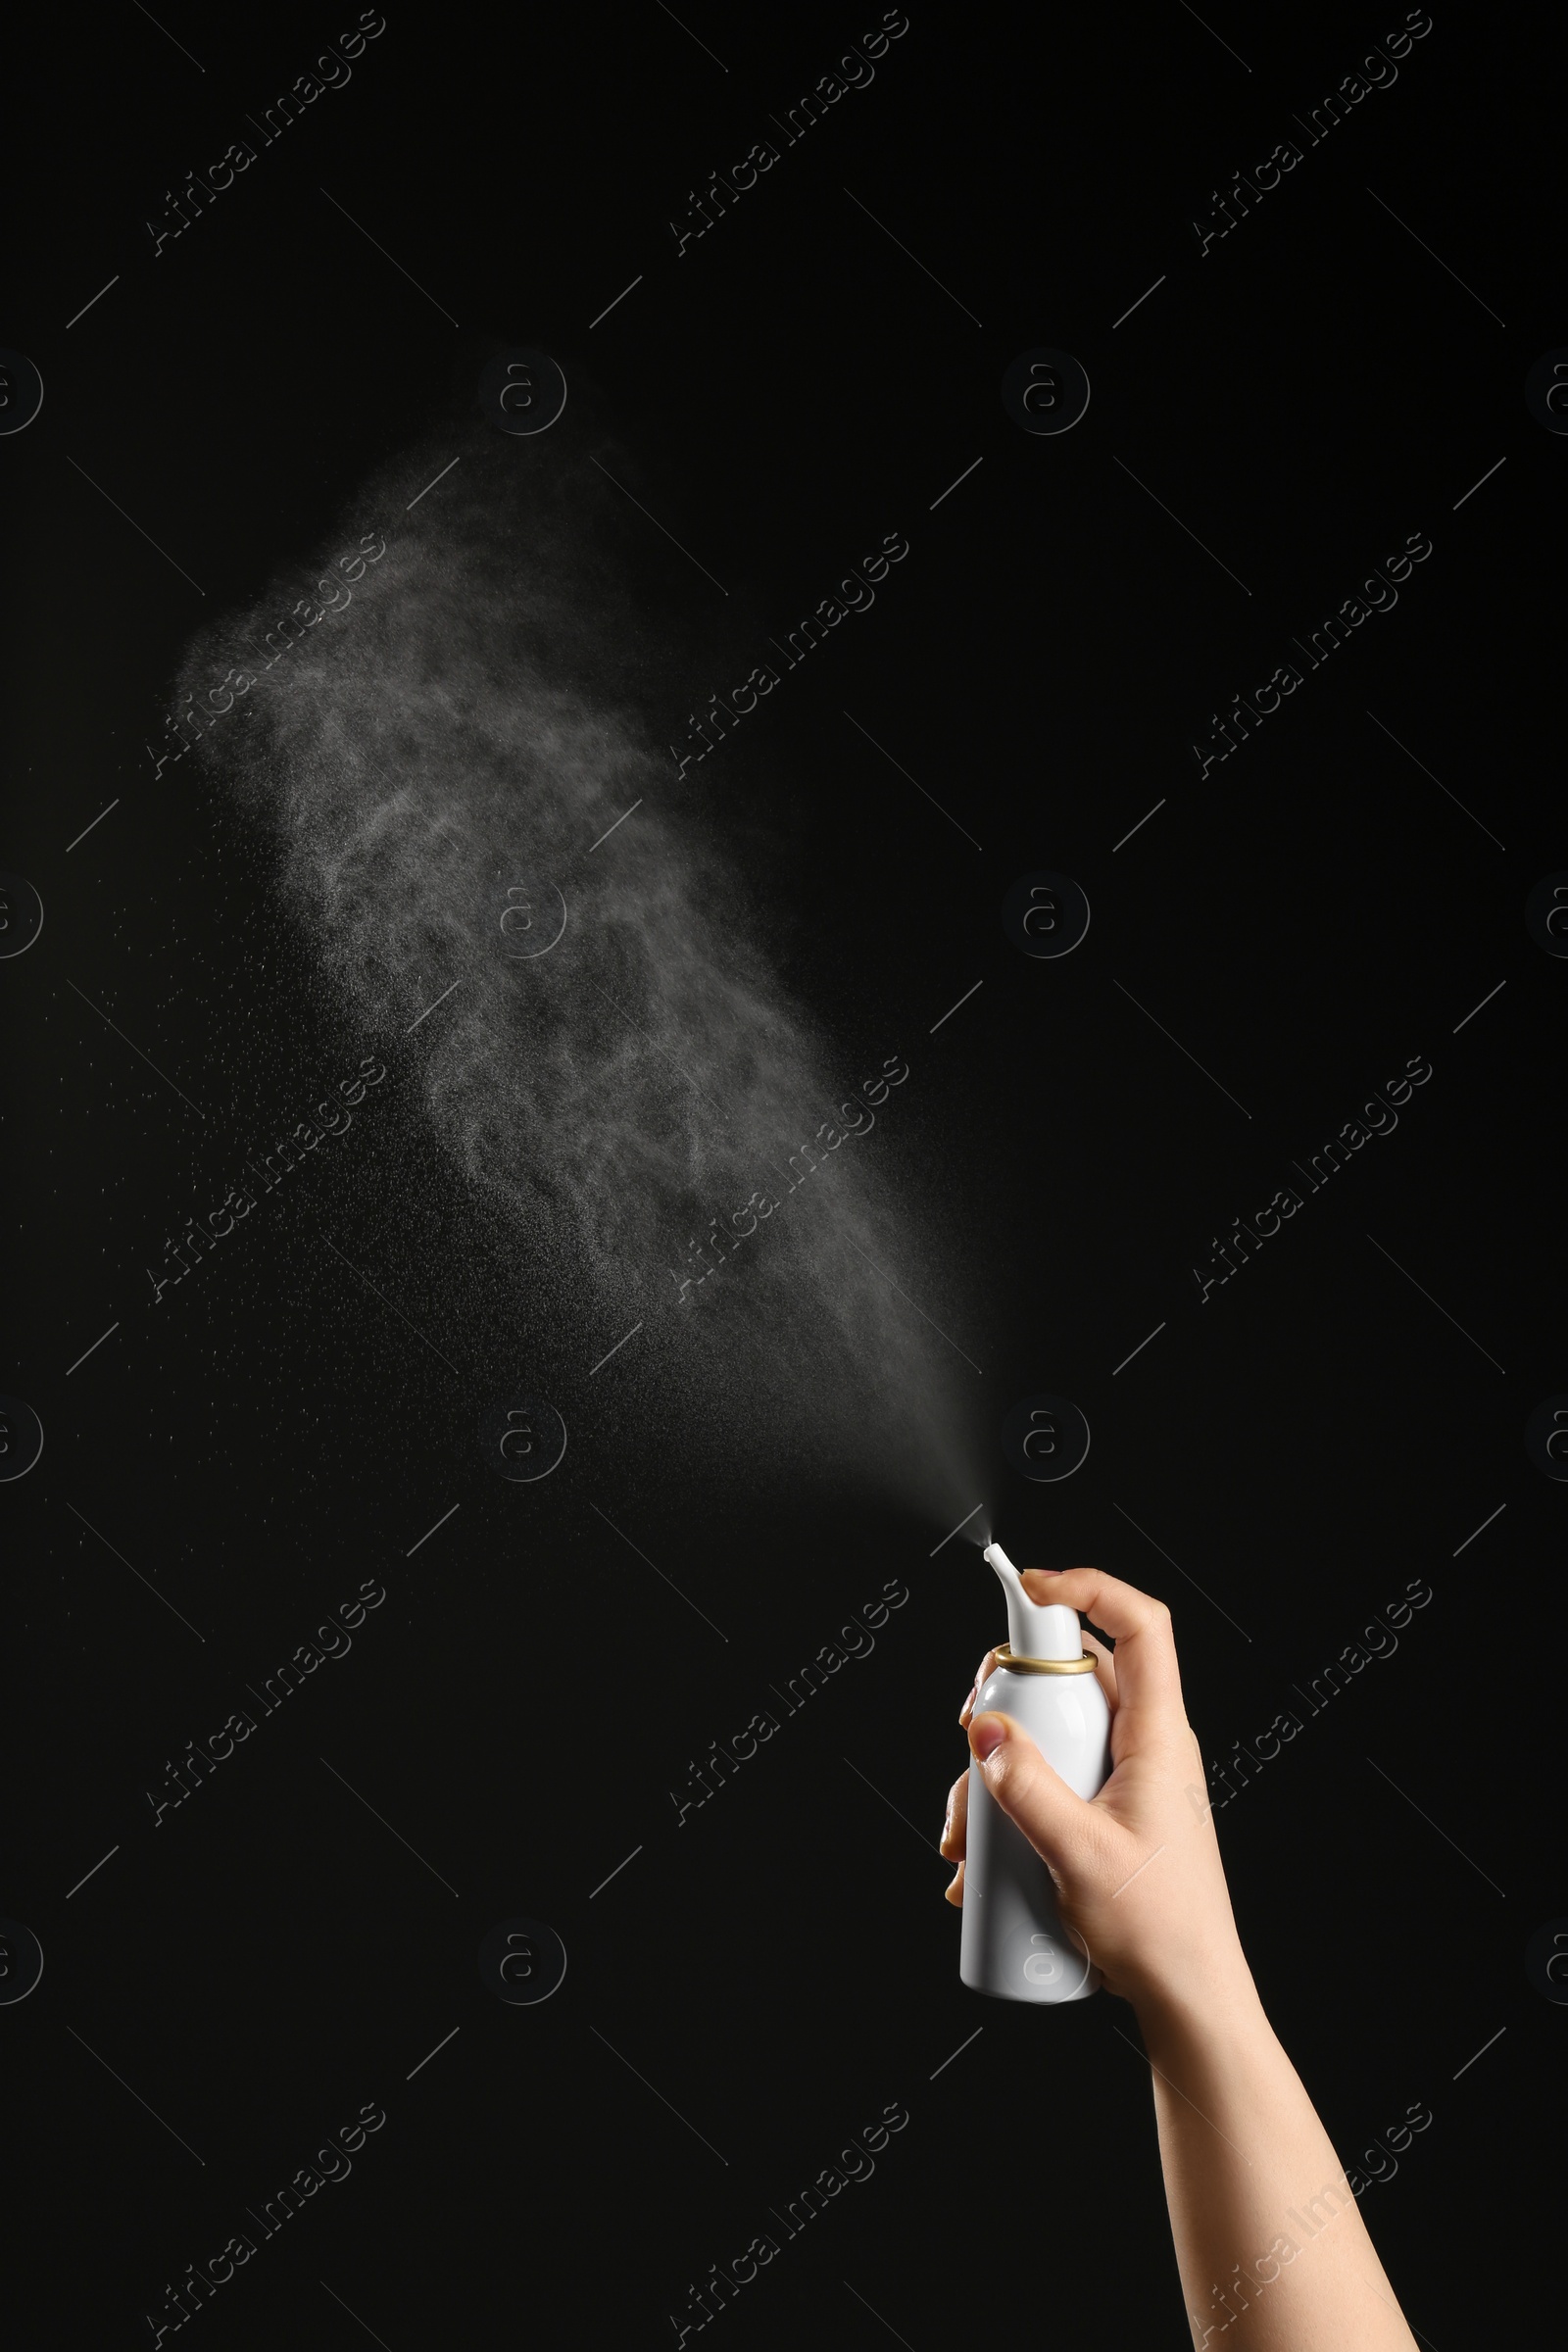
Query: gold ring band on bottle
<point>1084,1665</point>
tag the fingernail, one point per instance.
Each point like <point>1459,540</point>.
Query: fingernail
<point>953,1894</point>
<point>967,1708</point>
<point>986,1735</point>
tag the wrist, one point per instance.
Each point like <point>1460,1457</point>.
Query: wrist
<point>1181,2007</point>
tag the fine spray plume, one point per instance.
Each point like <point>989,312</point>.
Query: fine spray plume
<point>458,782</point>
<point>1014,1946</point>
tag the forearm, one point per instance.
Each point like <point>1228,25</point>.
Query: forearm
<point>1270,2244</point>
<point>1272,2250</point>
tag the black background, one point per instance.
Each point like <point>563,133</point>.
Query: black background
<point>1303,920</point>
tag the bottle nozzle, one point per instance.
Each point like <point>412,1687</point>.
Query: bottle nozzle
<point>1035,1629</point>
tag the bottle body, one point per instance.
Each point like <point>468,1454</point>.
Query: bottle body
<point>1014,1944</point>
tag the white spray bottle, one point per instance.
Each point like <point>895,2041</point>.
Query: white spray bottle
<point>1013,1943</point>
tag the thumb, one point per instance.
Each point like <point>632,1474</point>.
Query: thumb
<point>1056,1821</point>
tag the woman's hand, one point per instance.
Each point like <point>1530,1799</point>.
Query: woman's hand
<point>1258,2197</point>
<point>1137,1867</point>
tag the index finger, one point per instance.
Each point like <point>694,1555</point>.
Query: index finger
<point>1148,1683</point>
<point>986,1668</point>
